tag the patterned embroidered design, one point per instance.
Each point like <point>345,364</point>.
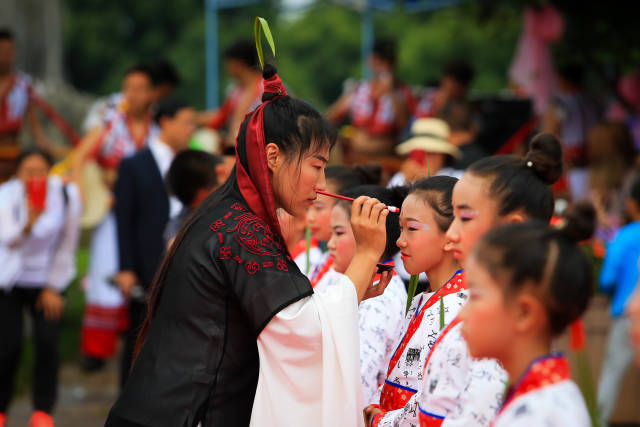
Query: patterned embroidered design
<point>255,236</point>
<point>237,206</point>
<point>225,252</point>
<point>220,238</point>
<point>413,355</point>
<point>267,264</point>
<point>238,259</point>
<point>228,214</point>
<point>217,225</point>
<point>252,266</point>
<point>282,265</point>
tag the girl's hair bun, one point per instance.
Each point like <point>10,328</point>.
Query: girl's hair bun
<point>545,157</point>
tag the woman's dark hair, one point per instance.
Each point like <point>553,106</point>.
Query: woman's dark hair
<point>533,254</point>
<point>6,34</point>
<point>437,191</point>
<point>168,107</point>
<point>460,70</point>
<point>294,126</point>
<point>346,177</point>
<point>33,151</point>
<point>390,197</point>
<point>524,184</point>
<point>142,69</point>
<point>164,73</point>
<point>243,51</point>
<point>190,171</point>
<point>385,49</point>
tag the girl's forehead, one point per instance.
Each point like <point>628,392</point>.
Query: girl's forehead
<point>470,190</point>
<point>415,207</point>
<point>339,215</point>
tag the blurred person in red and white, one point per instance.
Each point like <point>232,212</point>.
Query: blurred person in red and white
<point>39,228</point>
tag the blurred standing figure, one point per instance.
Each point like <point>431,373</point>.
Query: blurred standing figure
<point>165,79</point>
<point>241,63</point>
<point>456,79</point>
<point>38,238</point>
<point>15,107</point>
<point>573,112</point>
<point>121,134</point>
<point>378,108</point>
<point>143,209</point>
<point>619,277</point>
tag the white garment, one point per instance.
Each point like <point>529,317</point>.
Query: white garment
<point>380,321</point>
<point>558,405</point>
<point>308,363</point>
<point>104,263</point>
<point>163,155</point>
<point>316,257</point>
<point>408,372</point>
<point>465,391</point>
<point>46,255</point>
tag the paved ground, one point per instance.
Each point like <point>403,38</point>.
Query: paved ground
<point>84,399</point>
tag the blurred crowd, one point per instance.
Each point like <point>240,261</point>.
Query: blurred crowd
<point>148,158</point>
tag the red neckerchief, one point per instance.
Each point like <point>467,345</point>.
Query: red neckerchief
<point>323,270</point>
<point>254,182</point>
<point>301,247</point>
<point>452,286</point>
<point>138,142</point>
<point>542,372</point>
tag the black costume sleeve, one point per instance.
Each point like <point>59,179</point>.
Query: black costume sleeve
<point>256,265</point>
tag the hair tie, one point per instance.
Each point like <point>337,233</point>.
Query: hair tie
<point>529,164</point>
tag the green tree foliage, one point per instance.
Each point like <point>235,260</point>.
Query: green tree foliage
<point>317,49</point>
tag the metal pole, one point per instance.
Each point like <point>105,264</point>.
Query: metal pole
<point>366,44</point>
<point>211,47</point>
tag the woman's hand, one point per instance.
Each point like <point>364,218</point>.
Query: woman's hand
<point>378,289</point>
<point>368,221</point>
<point>51,304</point>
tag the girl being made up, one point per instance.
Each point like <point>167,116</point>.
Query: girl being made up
<point>380,319</point>
<point>339,179</point>
<point>457,389</point>
<point>424,219</point>
<point>527,283</point>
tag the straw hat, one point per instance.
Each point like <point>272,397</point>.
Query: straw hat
<point>430,135</point>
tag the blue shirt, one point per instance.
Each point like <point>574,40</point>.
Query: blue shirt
<point>619,274</point>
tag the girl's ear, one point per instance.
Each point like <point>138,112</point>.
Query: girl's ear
<point>273,156</point>
<point>515,217</point>
<point>529,312</point>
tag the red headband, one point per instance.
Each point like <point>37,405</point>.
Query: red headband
<point>255,183</point>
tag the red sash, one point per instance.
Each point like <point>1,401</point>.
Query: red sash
<point>393,396</point>
<point>315,279</point>
<point>542,372</point>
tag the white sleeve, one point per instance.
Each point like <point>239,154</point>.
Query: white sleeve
<point>13,214</point>
<point>63,265</point>
<point>309,367</point>
<point>407,416</point>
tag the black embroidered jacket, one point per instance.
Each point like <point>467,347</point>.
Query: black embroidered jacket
<point>228,278</point>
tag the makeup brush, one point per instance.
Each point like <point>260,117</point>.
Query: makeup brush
<point>349,199</point>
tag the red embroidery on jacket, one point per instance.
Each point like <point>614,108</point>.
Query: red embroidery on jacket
<point>217,225</point>
<point>220,238</point>
<point>238,259</point>
<point>225,252</point>
<point>282,265</point>
<point>255,236</point>
<point>252,266</point>
<point>267,264</point>
<point>227,215</point>
<point>237,206</point>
